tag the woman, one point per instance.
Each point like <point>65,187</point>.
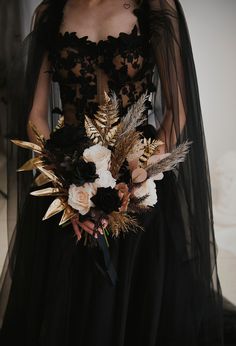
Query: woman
<point>168,292</point>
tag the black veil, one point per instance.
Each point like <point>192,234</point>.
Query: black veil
<point>176,116</point>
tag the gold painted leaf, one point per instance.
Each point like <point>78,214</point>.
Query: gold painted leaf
<point>67,215</point>
<point>30,164</point>
<point>111,135</point>
<point>92,131</point>
<point>40,138</point>
<point>49,191</point>
<point>27,145</point>
<point>55,207</point>
<point>41,180</point>
<point>50,175</point>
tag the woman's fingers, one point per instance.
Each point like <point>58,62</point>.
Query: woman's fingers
<point>85,227</point>
<point>76,229</point>
<point>89,224</point>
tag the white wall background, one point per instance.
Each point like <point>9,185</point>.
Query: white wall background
<point>28,7</point>
<point>212,26</point>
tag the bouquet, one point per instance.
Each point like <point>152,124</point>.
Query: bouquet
<point>104,169</point>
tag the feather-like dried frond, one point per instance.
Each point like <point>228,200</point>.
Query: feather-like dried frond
<point>139,208</point>
<point>134,116</point>
<point>150,146</point>
<point>121,150</point>
<point>55,207</point>
<point>27,145</point>
<point>49,191</point>
<point>169,162</point>
<point>137,200</point>
<point>31,164</point>
<point>120,222</point>
<point>39,137</point>
<point>92,131</point>
<point>137,151</point>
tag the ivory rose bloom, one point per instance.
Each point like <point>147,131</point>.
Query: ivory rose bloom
<point>79,197</point>
<point>98,154</point>
<point>147,187</point>
<point>105,179</point>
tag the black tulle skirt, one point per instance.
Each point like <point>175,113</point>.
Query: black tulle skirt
<point>60,297</point>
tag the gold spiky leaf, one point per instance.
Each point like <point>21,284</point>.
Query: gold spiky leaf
<point>39,137</point>
<point>55,207</point>
<point>41,180</point>
<point>67,215</point>
<point>49,191</point>
<point>27,145</point>
<point>50,175</point>
<point>30,164</point>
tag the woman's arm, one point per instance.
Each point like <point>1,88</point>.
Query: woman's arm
<point>39,112</point>
<point>168,49</point>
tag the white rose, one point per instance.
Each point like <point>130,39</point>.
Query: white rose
<point>105,179</point>
<point>98,154</point>
<point>147,187</point>
<point>79,197</point>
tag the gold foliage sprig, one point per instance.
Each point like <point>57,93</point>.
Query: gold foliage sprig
<point>93,132</point>
<point>103,128</point>
<point>60,123</point>
<point>122,222</point>
<point>150,146</point>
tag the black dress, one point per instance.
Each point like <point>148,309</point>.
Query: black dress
<point>59,294</point>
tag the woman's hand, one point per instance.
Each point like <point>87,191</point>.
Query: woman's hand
<point>87,226</point>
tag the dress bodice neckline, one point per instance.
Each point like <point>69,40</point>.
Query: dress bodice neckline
<point>121,35</point>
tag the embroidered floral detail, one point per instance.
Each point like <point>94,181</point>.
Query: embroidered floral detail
<point>81,67</point>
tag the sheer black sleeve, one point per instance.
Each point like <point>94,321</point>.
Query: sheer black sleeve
<point>178,117</point>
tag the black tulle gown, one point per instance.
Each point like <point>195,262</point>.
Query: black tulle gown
<point>167,292</point>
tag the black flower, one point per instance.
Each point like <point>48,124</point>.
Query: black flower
<point>107,199</point>
<point>84,172</point>
<point>67,139</point>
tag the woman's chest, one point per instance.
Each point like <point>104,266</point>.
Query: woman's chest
<point>123,58</point>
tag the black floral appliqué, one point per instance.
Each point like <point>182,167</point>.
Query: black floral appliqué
<point>84,69</point>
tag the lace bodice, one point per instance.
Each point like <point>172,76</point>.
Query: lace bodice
<point>84,69</point>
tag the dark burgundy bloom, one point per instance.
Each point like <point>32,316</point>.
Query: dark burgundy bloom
<point>107,199</point>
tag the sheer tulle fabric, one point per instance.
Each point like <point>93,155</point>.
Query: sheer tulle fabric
<point>168,291</point>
